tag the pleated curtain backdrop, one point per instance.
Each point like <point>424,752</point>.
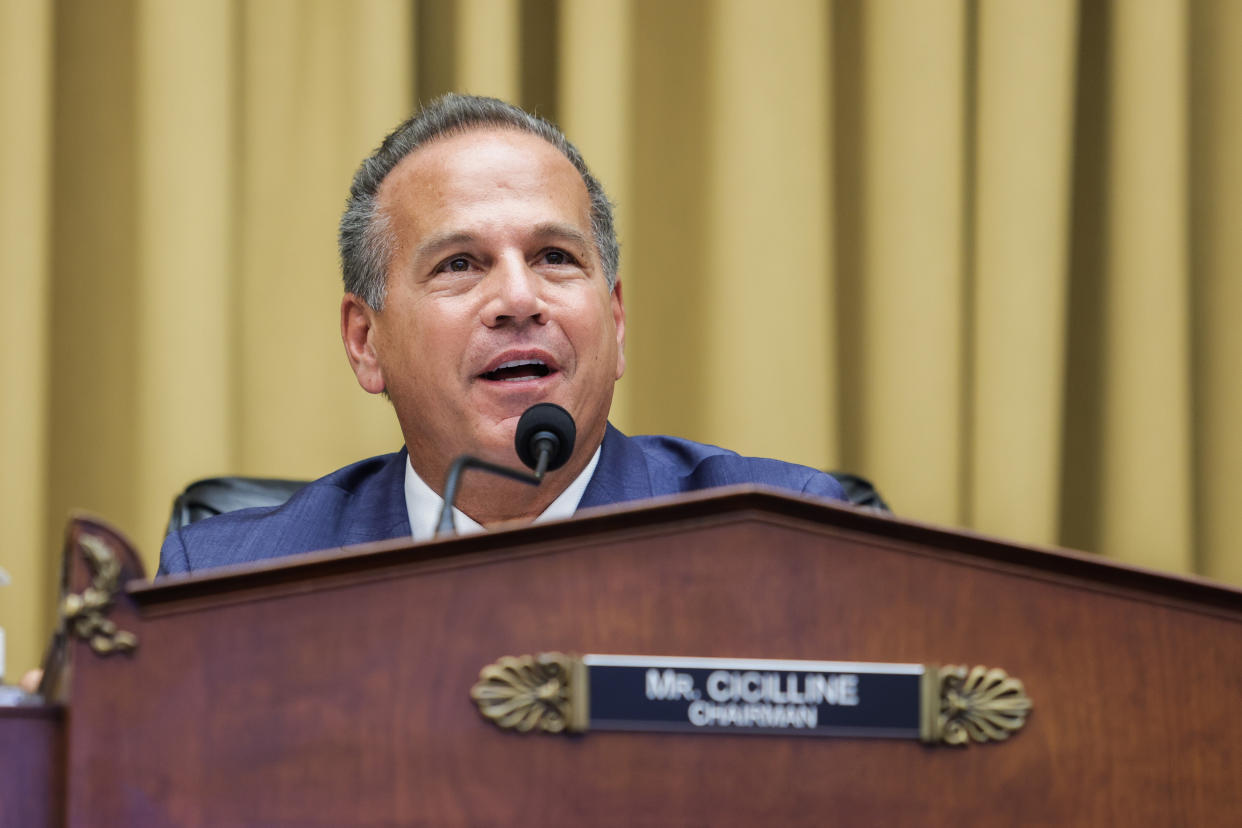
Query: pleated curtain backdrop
<point>985,252</point>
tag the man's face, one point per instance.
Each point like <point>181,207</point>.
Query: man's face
<point>496,300</point>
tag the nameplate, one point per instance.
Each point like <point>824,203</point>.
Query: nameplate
<point>823,698</point>
<point>553,692</point>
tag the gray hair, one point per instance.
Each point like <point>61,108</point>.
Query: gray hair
<point>366,235</point>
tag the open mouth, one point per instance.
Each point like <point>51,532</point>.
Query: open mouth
<point>518,369</point>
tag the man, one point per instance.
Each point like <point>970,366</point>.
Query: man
<point>480,264</point>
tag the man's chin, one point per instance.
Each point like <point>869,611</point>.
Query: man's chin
<point>501,418</point>
<point>496,445</point>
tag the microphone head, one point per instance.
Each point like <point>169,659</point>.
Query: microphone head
<point>545,421</point>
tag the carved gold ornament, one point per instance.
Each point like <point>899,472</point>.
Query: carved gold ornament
<point>527,693</point>
<point>980,705</point>
<point>84,614</point>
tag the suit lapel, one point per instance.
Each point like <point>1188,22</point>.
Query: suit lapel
<point>377,509</point>
<point>621,474</point>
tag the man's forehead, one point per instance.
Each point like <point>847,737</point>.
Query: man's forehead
<point>476,153</point>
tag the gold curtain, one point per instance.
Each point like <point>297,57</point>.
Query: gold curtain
<point>982,251</point>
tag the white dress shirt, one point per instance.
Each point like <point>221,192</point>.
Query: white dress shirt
<point>424,505</point>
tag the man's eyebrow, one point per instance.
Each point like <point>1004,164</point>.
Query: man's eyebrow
<point>453,238</point>
<point>566,231</point>
<point>464,238</point>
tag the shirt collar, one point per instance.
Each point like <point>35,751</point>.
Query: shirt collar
<point>424,505</point>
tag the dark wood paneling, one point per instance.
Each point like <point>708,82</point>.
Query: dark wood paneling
<point>337,691</point>
<point>31,762</point>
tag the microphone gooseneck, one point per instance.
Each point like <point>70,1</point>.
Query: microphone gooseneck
<point>544,440</point>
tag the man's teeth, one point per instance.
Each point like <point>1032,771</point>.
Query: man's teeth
<point>519,369</point>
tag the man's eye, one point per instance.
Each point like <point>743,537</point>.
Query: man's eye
<point>557,257</point>
<point>458,265</point>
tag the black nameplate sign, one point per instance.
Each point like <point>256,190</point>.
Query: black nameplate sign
<point>815,698</point>
<point>937,704</point>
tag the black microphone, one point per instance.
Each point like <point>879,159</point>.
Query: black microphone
<point>545,437</point>
<point>544,440</point>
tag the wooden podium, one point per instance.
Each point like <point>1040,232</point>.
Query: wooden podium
<point>335,688</point>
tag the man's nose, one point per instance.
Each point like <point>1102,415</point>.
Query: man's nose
<point>515,293</point>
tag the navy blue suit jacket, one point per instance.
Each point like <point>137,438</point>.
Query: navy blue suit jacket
<point>366,501</point>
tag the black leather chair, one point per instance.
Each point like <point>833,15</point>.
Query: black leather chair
<point>860,492</point>
<point>214,495</point>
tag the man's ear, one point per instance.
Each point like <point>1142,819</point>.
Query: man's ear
<point>358,334</point>
<point>618,319</point>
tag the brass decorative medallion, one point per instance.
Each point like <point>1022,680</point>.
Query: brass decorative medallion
<point>84,614</point>
<point>980,705</point>
<point>527,693</point>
